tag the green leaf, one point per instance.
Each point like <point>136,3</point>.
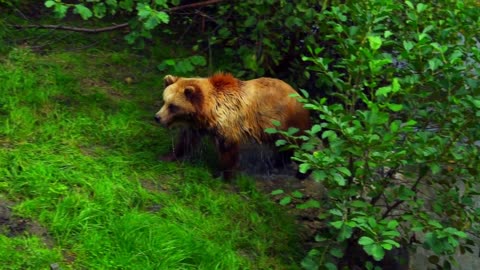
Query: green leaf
<point>375,42</point>
<point>383,91</point>
<point>308,263</point>
<point>112,3</point>
<point>84,11</point>
<point>305,93</point>
<point>127,5</point>
<point>365,240</point>
<point>372,222</point>
<point>144,11</point>
<point>375,250</point>
<point>163,17</point>
<point>198,60</point>
<point>162,3</point>
<point>395,107</point>
<point>319,175</point>
<point>250,21</point>
<point>131,37</point>
<point>456,232</point>
<point>344,170</point>
<point>321,238</point>
<point>304,167</point>
<point>49,3</point>
<point>395,126</point>
<point>337,224</point>
<point>280,143</point>
<point>434,63</point>
<point>345,233</point>
<point>297,194</point>
<point>183,66</point>
<point>392,242</point>
<point>329,134</point>
<point>455,57</point>
<point>386,246</point>
<point>99,10</point>
<point>271,130</point>
<point>410,123</point>
<point>359,204</point>
<point>435,224</point>
<point>276,123</point>
<point>336,212</point>
<point>277,192</point>
<point>392,224</point>
<point>339,179</point>
<point>330,266</point>
<point>151,23</point>
<point>476,102</point>
<point>390,233</point>
<point>336,252</point>
<point>315,129</point>
<point>308,146</point>
<point>409,4</point>
<point>408,45</point>
<point>395,85</point>
<point>285,200</point>
<point>377,65</point>
<point>292,130</point>
<point>421,7</point>
<point>387,34</point>
<point>309,204</point>
<point>435,167</point>
<point>60,10</point>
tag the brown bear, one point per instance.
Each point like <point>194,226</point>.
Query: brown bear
<point>229,110</point>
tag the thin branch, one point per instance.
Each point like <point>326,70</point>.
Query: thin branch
<point>194,5</point>
<point>113,27</point>
<point>389,175</point>
<point>74,29</point>
<point>397,203</point>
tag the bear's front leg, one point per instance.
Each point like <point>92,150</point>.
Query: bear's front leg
<point>229,153</point>
<point>186,142</point>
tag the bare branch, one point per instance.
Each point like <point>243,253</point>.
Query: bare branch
<point>399,202</point>
<point>194,5</point>
<point>74,29</point>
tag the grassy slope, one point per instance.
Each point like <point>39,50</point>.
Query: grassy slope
<point>78,155</point>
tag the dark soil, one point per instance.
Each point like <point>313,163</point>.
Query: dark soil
<point>13,226</point>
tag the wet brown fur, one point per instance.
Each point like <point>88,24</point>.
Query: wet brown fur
<point>224,82</point>
<point>231,110</point>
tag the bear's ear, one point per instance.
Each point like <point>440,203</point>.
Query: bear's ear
<point>193,94</point>
<point>189,92</point>
<point>170,79</point>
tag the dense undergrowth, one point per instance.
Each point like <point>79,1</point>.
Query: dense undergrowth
<point>79,159</point>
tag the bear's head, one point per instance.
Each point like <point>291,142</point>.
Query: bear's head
<point>182,99</point>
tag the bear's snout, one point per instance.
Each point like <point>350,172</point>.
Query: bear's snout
<point>158,119</point>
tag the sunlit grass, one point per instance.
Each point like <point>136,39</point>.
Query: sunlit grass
<point>79,154</point>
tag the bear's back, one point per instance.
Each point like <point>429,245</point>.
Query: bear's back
<point>273,99</point>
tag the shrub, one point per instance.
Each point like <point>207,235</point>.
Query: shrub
<point>401,153</point>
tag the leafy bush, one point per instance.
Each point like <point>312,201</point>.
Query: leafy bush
<point>267,37</point>
<point>401,154</point>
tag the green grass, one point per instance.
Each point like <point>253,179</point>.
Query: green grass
<point>79,155</point>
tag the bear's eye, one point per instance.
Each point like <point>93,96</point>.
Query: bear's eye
<point>172,108</point>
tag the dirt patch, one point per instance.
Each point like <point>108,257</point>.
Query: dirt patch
<point>157,187</point>
<point>13,226</point>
